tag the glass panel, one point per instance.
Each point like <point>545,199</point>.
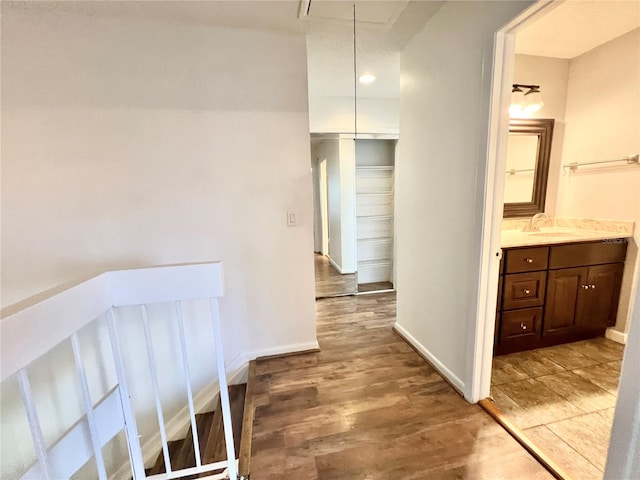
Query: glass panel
<point>522,153</point>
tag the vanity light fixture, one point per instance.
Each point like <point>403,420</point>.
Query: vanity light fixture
<point>525,103</point>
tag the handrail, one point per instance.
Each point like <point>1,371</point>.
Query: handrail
<point>31,332</point>
<point>79,305</point>
<point>629,159</point>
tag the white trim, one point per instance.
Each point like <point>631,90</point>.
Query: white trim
<point>616,336</point>
<point>335,265</point>
<point>281,350</point>
<point>166,283</point>
<point>430,357</point>
<point>482,335</point>
<point>490,251</point>
<point>78,306</point>
<point>33,331</point>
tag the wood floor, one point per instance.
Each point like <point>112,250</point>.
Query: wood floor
<point>374,286</point>
<point>563,399</point>
<point>367,407</point>
<point>329,282</point>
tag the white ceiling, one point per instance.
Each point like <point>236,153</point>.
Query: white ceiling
<point>575,27</point>
<point>384,27</point>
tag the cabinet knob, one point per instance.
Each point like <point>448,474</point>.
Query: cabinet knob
<point>523,326</point>
<point>528,260</point>
<point>592,286</point>
<point>526,291</point>
<point>586,287</point>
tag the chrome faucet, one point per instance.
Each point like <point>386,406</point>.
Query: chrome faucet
<point>532,226</point>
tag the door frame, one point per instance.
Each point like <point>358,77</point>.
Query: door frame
<point>624,434</point>
<point>491,253</point>
<point>324,207</point>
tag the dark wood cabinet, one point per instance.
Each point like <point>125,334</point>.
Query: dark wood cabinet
<point>558,294</point>
<point>582,299</point>
<point>565,294</point>
<point>602,297</point>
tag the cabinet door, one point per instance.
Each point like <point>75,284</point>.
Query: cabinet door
<point>565,295</point>
<point>603,294</point>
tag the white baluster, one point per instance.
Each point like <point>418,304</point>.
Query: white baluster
<point>34,424</point>
<point>224,391</point>
<point>88,405</point>
<point>187,378</point>
<point>131,429</point>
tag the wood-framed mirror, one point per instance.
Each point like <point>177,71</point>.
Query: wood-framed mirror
<point>528,154</point>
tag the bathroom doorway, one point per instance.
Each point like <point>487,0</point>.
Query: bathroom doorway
<point>580,380</point>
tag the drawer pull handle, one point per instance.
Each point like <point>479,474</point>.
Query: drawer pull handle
<point>528,260</point>
<point>523,326</point>
<point>526,291</point>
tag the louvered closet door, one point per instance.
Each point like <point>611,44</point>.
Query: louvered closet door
<point>374,211</point>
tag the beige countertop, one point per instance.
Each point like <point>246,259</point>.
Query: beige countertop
<point>563,230</point>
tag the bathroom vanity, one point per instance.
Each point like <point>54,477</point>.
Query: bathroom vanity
<point>557,286</point>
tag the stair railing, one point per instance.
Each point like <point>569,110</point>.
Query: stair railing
<point>31,333</point>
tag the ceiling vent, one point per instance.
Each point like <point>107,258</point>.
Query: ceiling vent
<point>373,13</point>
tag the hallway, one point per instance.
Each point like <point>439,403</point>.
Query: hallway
<point>368,407</point>
<point>329,282</point>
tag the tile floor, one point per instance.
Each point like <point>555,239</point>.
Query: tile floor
<point>563,398</point>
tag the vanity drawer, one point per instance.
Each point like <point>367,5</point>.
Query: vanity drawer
<point>526,259</point>
<point>521,326</point>
<point>522,290</point>
<point>593,253</point>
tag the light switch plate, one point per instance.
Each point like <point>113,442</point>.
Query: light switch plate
<point>292,220</point>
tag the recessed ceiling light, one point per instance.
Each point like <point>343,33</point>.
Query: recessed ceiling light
<point>367,78</point>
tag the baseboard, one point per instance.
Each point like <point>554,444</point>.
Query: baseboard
<point>616,336</point>
<point>431,358</point>
<point>285,349</point>
<point>335,265</point>
<point>338,268</point>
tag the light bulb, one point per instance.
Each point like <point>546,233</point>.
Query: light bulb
<point>367,78</point>
<point>533,100</point>
<point>517,102</point>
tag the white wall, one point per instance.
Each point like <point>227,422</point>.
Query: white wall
<point>444,110</point>
<point>340,158</point>
<point>603,122</point>
<point>335,115</point>
<point>329,150</point>
<point>552,74</point>
<point>315,182</point>
<point>128,143</point>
